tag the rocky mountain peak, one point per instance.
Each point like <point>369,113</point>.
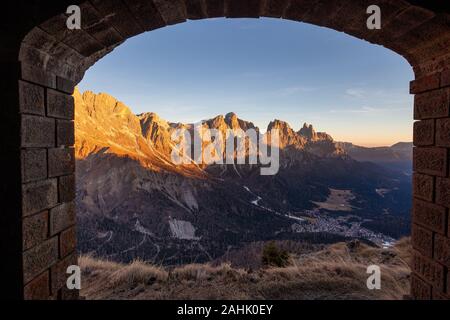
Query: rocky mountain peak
<point>232,120</point>
<point>231,116</point>
<point>218,122</point>
<point>104,122</point>
<point>311,135</point>
<point>229,121</point>
<point>288,137</point>
<point>308,132</point>
<point>152,119</point>
<point>280,125</point>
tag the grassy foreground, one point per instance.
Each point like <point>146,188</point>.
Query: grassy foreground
<point>335,272</point>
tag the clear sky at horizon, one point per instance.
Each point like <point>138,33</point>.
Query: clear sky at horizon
<point>263,69</point>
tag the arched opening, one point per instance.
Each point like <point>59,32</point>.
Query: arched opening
<point>132,206</point>
<point>54,59</point>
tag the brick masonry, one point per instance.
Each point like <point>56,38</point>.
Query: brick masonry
<point>442,249</point>
<point>39,288</point>
<point>430,160</point>
<point>59,272</point>
<point>432,105</point>
<point>420,289</point>
<point>423,186</point>
<point>52,61</point>
<point>35,229</point>
<point>432,272</point>
<point>34,164</point>
<point>443,132</point>
<point>431,188</point>
<point>48,190</point>
<point>422,240</point>
<point>61,161</point>
<point>443,191</point>
<point>424,133</point>
<point>38,196</point>
<point>62,217</point>
<point>430,216</point>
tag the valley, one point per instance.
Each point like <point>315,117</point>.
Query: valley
<point>134,202</point>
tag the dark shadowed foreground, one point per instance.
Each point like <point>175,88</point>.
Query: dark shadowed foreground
<point>336,272</point>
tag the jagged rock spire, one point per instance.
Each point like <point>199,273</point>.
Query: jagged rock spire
<point>308,132</point>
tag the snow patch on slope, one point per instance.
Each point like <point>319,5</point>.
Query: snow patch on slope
<point>183,230</point>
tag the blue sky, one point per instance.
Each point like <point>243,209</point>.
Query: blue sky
<point>263,69</point>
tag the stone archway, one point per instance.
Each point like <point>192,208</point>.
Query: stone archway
<point>43,61</point>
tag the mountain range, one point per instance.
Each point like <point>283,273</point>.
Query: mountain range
<point>134,202</point>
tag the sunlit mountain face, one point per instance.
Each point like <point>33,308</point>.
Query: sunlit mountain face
<point>133,201</point>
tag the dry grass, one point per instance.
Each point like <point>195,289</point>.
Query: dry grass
<point>138,272</point>
<point>335,272</point>
<point>201,272</point>
<point>339,273</point>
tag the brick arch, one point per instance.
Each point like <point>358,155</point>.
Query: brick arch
<point>48,60</point>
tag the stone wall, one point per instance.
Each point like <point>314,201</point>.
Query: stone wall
<point>431,187</point>
<point>48,184</point>
<point>41,61</point>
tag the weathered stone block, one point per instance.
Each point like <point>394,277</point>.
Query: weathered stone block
<point>297,9</point>
<point>39,196</point>
<point>38,76</point>
<point>34,164</point>
<point>39,258</point>
<point>425,83</point>
<point>67,242</point>
<point>97,27</point>
<point>322,13</point>
<point>443,132</point>
<point>67,294</point>
<point>422,240</point>
<point>65,85</point>
<point>31,98</point>
<point>407,20</point>
<point>274,8</point>
<point>442,249</point>
<point>196,9</point>
<point>423,186</point>
<point>432,272</point>
<point>61,161</point>
<point>430,216</point>
<point>38,288</point>
<point>215,8</point>
<point>443,192</point>
<point>37,132</point>
<point>430,160</point>
<point>34,230</point>
<point>243,8</point>
<point>146,13</point>
<point>424,133</point>
<point>66,187</point>
<point>172,12</point>
<point>436,295</point>
<point>59,272</point>
<point>65,133</point>
<point>445,78</point>
<point>118,16</point>
<point>60,105</point>
<point>448,282</point>
<point>62,217</point>
<point>431,37</point>
<point>35,57</point>
<point>83,42</point>
<point>55,26</point>
<point>433,104</point>
<point>420,290</point>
